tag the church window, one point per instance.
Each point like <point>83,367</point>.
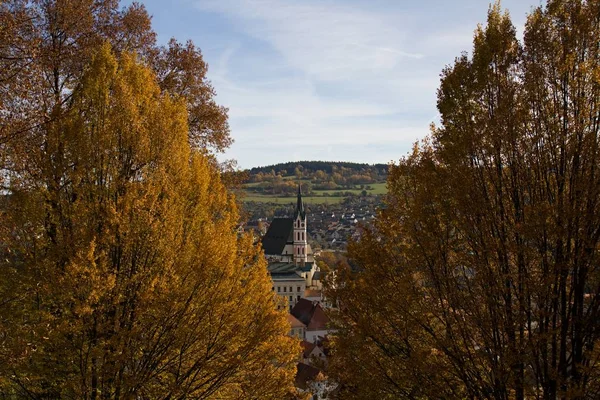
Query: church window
<point>285,289</point>
<point>302,235</point>
<point>290,290</point>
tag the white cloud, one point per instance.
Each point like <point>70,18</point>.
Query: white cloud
<point>323,79</point>
<point>327,40</point>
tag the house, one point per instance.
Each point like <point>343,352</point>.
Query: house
<point>289,285</point>
<point>311,351</point>
<point>311,314</point>
<point>312,380</point>
<point>305,374</point>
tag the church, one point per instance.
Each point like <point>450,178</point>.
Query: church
<point>287,240</point>
<point>291,261</point>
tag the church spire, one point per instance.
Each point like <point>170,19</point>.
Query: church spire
<point>299,205</point>
<point>300,245</point>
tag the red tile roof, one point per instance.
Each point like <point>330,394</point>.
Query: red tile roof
<point>312,293</point>
<point>319,319</point>
<point>310,314</point>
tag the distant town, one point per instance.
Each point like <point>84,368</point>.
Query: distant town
<point>296,217</point>
<point>340,199</point>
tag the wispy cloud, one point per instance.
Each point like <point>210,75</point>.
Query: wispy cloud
<point>327,40</point>
<point>333,79</point>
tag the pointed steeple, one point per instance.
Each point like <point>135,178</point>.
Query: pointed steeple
<point>300,205</point>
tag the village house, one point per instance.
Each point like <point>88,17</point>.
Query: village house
<point>311,314</point>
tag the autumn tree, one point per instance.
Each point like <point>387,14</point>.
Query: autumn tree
<point>45,46</point>
<point>127,277</point>
<point>121,274</point>
<point>481,277</point>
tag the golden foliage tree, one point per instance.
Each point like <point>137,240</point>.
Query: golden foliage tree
<point>481,278</point>
<point>122,273</point>
<point>46,44</point>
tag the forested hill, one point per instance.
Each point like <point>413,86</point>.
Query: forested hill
<point>290,168</point>
<point>322,179</point>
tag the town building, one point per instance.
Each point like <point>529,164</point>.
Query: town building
<point>286,239</point>
<point>311,314</point>
<point>291,261</point>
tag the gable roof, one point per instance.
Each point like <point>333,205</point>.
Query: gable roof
<point>307,348</point>
<point>287,277</point>
<point>279,234</point>
<point>310,314</point>
<point>303,310</point>
<point>319,319</point>
<point>280,267</point>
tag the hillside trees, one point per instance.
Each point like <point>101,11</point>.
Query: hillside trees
<point>121,273</point>
<point>481,278</point>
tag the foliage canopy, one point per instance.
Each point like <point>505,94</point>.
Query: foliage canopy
<point>121,272</point>
<point>481,278</point>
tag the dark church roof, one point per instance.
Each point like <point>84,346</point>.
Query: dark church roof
<point>277,268</point>
<point>280,232</point>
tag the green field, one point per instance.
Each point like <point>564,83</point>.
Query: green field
<point>293,178</point>
<point>288,200</point>
<point>378,188</point>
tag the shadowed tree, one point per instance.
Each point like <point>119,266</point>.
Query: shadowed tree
<point>481,279</point>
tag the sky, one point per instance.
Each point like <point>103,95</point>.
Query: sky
<point>335,80</point>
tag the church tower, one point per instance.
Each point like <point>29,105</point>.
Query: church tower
<point>300,247</point>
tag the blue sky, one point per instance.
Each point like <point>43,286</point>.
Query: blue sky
<point>340,80</point>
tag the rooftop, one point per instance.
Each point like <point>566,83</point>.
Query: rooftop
<point>281,231</point>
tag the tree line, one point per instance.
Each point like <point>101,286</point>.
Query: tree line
<point>317,175</point>
<point>313,166</point>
